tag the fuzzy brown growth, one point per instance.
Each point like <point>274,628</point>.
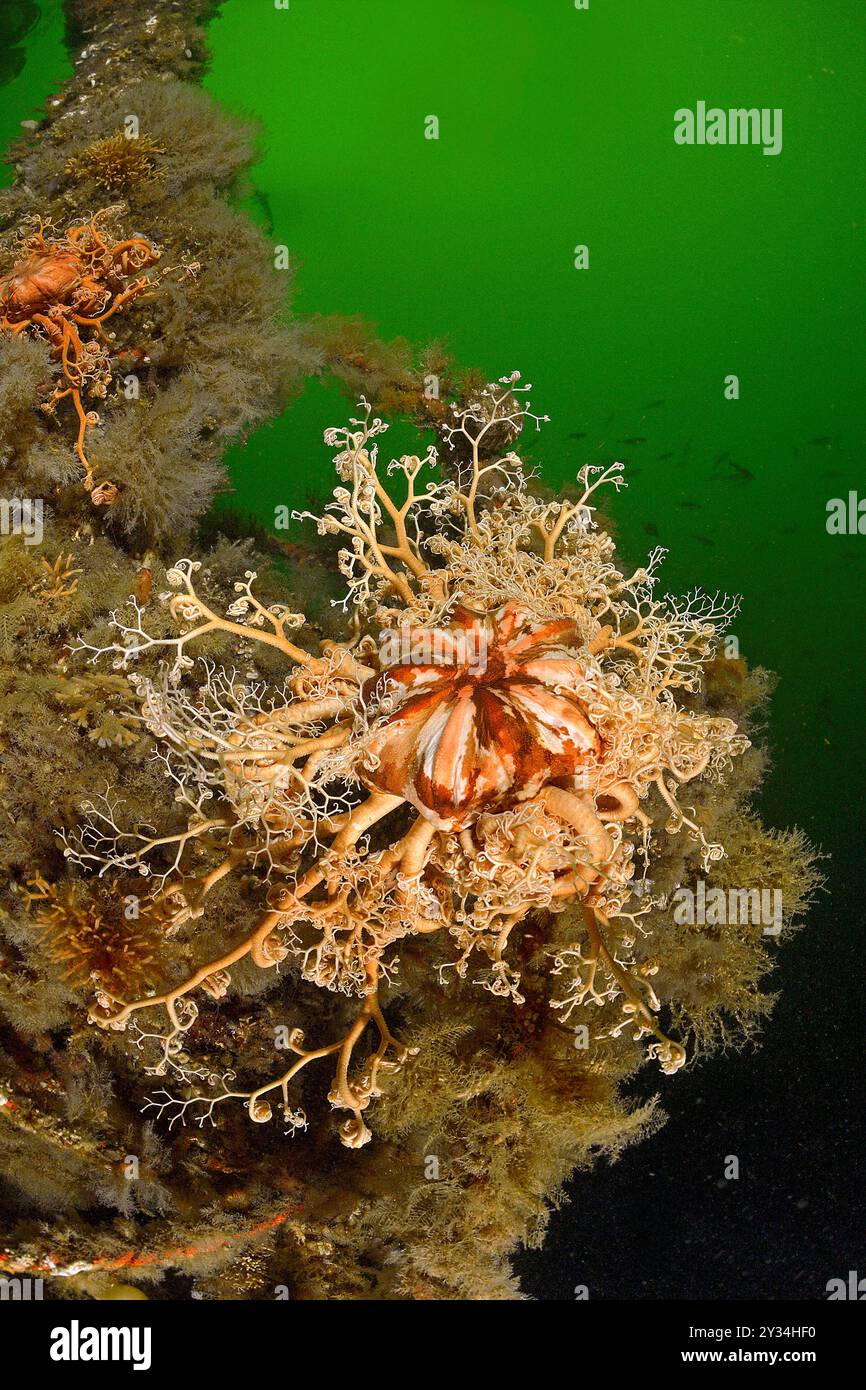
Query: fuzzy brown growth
<point>117,164</point>
<point>90,946</point>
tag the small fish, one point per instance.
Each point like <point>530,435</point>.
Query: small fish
<point>823,439</point>
<point>650,528</point>
<point>704,540</point>
<point>692,506</point>
<point>264,206</point>
<point>653,405</point>
<point>687,447</point>
<point>832,473</point>
<point>787,530</point>
<point>662,458</point>
<point>579,434</point>
<point>738,473</point>
<point>635,439</point>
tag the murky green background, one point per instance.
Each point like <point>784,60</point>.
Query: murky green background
<point>556,129</point>
<point>33,64</point>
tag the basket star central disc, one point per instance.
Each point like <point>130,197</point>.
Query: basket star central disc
<point>492,718</point>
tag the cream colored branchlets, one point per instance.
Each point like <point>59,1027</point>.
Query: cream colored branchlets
<point>500,735</point>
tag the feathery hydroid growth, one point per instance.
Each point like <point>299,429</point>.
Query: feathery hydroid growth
<point>517,757</point>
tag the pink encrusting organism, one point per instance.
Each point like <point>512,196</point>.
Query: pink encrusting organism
<point>501,735</point>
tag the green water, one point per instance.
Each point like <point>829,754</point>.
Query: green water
<point>33,64</point>
<point>556,129</point>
